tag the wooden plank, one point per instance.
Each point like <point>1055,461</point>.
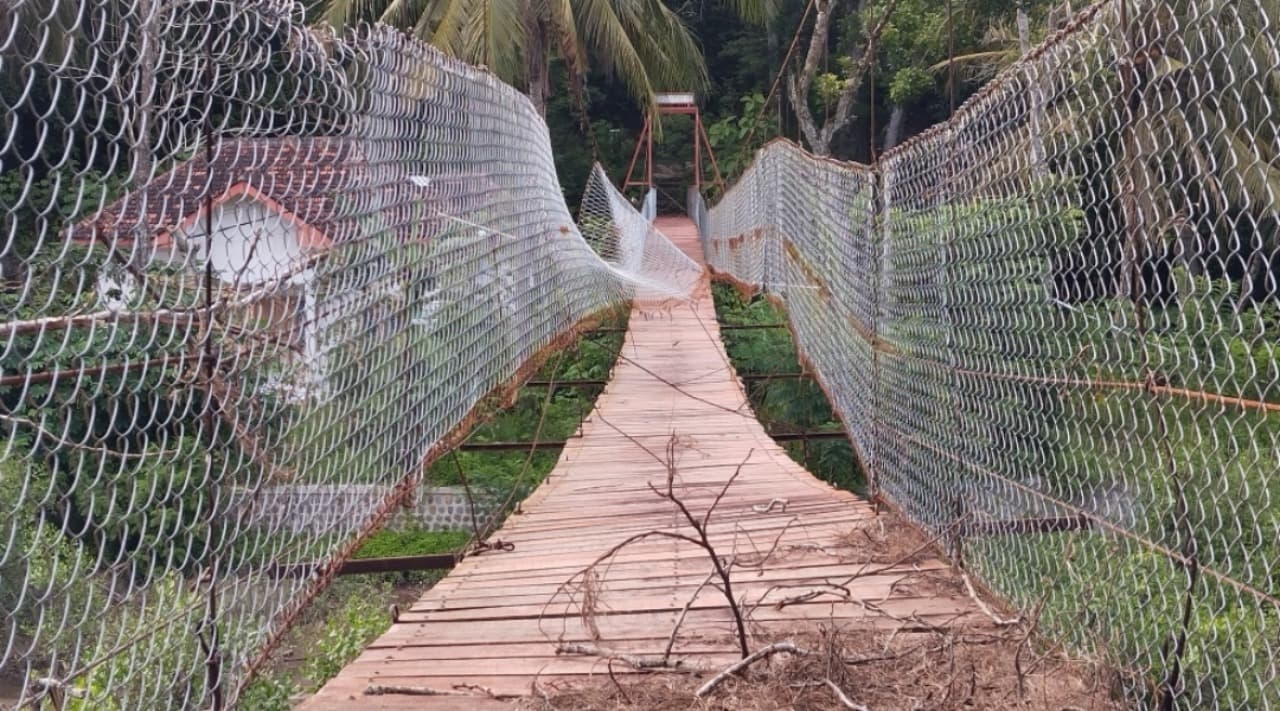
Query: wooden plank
<point>619,597</point>
<point>642,576</point>
<point>661,604</point>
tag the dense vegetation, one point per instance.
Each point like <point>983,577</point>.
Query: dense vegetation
<point>785,404</point>
<point>910,90</point>
<point>550,417</point>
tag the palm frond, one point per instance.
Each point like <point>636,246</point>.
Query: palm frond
<point>664,43</point>
<point>495,38</point>
<point>343,13</point>
<point>406,13</point>
<point>564,24</point>
<point>1250,182</point>
<point>758,12</point>
<point>993,58</point>
<point>448,31</point>
<point>604,33</point>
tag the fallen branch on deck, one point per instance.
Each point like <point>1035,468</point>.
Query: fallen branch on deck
<point>762,653</point>
<point>635,661</point>
<point>468,690</point>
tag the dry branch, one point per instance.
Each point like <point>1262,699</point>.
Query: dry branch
<point>842,697</point>
<point>675,629</point>
<point>638,662</point>
<point>585,579</point>
<point>468,690</point>
<point>762,653</point>
<point>986,609</point>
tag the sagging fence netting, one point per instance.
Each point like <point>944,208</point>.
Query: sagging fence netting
<point>1052,328</point>
<point>245,259</point>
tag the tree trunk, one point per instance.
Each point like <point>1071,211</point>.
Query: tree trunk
<point>799,83</point>
<point>1039,167</point>
<point>140,160</point>
<point>893,134</point>
<point>537,61</point>
<point>139,106</point>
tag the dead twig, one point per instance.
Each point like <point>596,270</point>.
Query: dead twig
<point>704,540</point>
<point>762,653</point>
<point>469,690</point>
<point>635,661</point>
<point>973,594</point>
<point>772,549</point>
<point>675,629</point>
<point>842,697</point>
<point>587,580</point>
<point>781,504</point>
<point>621,691</point>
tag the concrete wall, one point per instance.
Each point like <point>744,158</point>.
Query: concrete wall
<point>316,508</point>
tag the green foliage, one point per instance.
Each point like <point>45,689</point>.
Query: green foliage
<point>269,692</point>
<point>910,84</point>
<point>40,558</point>
<point>735,139</point>
<point>1186,474</point>
<point>784,405</point>
<point>358,620</point>
<point>588,128</point>
<point>164,668</point>
<point>496,474</point>
<point>645,46</point>
<point>34,210</point>
<point>158,507</point>
<point>411,541</point>
<point>829,86</point>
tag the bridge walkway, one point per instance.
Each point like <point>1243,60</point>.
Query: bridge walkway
<point>497,622</point>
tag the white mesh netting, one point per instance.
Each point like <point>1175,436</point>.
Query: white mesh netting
<point>1049,325</point>
<point>242,256</point>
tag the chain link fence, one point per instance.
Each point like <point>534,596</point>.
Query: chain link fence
<point>1050,326</point>
<point>241,256</point>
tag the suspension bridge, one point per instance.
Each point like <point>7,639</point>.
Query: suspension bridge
<point>249,262</point>
<point>558,608</point>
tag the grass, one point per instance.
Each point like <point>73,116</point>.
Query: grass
<point>498,474</point>
<point>411,541</point>
<point>785,405</point>
<point>332,631</point>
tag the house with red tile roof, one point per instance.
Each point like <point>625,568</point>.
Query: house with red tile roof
<point>260,212</point>
<point>271,203</point>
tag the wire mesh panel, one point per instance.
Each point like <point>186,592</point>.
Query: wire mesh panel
<point>1050,326</point>
<point>242,256</point>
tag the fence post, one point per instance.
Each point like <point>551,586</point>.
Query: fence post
<point>877,232</point>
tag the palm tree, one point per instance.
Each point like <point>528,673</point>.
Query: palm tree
<point>642,42</point>
<point>1197,174</point>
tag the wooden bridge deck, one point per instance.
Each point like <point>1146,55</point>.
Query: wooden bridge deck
<point>497,620</point>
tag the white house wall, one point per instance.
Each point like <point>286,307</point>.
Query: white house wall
<point>251,243</point>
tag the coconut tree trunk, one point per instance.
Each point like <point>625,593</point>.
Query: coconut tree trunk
<point>537,61</point>
<point>1039,167</point>
<point>142,103</point>
<point>893,133</point>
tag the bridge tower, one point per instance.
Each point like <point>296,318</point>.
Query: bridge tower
<point>672,103</point>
